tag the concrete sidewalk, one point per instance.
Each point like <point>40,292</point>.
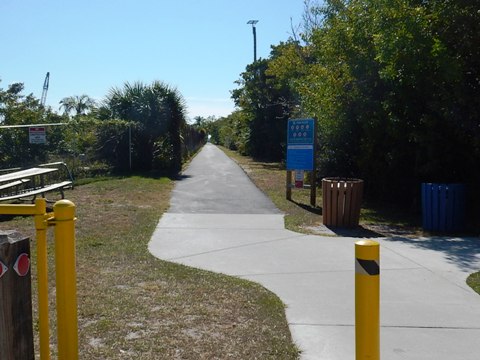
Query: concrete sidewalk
<point>427,310</point>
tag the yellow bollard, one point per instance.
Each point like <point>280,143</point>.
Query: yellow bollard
<point>66,280</point>
<point>367,300</point>
<point>42,277</point>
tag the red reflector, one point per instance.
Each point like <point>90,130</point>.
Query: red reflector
<point>3,269</point>
<point>22,265</point>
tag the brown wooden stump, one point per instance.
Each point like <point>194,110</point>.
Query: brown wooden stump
<point>16,330</point>
<point>342,200</point>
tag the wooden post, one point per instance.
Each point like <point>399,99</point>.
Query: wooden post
<point>313,180</point>
<point>289,185</point>
<point>313,187</point>
<point>16,330</point>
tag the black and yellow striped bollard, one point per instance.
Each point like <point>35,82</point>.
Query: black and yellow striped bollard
<point>367,300</point>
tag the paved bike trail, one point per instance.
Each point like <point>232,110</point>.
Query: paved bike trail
<point>219,221</point>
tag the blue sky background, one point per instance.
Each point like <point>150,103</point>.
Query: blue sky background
<point>90,46</point>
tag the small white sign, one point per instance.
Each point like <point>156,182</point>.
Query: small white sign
<point>299,178</point>
<point>37,135</point>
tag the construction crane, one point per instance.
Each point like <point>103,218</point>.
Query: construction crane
<point>45,89</point>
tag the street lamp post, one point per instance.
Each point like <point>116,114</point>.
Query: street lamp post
<point>254,30</point>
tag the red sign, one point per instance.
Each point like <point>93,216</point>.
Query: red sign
<point>22,265</point>
<point>3,269</point>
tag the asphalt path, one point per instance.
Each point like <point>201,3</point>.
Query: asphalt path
<point>213,184</point>
<point>219,221</point>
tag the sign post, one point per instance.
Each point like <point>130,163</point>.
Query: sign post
<point>301,140</point>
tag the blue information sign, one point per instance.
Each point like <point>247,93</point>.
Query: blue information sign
<point>300,144</point>
<point>300,131</point>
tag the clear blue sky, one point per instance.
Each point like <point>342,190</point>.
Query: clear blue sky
<point>90,46</point>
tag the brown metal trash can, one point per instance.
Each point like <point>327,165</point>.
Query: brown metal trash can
<point>342,200</point>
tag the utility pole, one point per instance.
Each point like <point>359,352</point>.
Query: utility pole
<point>254,30</point>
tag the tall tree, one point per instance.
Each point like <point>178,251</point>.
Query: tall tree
<point>394,86</point>
<point>417,122</point>
<point>159,112</point>
<point>80,104</point>
<point>266,103</point>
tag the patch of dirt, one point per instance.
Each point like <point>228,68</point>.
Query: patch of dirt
<point>386,230</point>
<point>365,231</point>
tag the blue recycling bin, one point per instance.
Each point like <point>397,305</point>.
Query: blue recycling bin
<point>443,207</point>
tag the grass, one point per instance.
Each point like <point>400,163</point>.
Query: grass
<point>134,306</point>
<point>474,281</point>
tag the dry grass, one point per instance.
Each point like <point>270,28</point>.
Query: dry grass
<point>474,281</point>
<point>134,306</point>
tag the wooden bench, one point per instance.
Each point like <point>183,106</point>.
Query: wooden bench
<point>34,192</point>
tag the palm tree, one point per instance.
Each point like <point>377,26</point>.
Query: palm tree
<point>159,112</point>
<point>80,104</point>
<point>175,108</point>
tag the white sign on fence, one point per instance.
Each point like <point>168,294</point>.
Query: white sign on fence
<point>37,135</point>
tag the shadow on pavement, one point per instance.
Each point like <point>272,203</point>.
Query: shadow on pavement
<point>182,177</point>
<point>309,208</point>
<point>463,252</point>
<point>358,231</point>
